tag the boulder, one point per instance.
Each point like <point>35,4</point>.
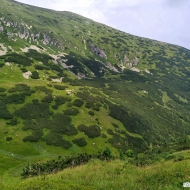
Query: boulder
<point>99,52</point>
<point>1,29</point>
<point>126,59</point>
<point>135,61</point>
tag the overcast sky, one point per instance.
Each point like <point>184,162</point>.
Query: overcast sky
<point>163,20</point>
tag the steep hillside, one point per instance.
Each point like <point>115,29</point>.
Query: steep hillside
<point>70,85</point>
<point>113,175</point>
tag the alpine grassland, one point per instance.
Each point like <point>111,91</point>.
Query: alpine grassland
<point>86,106</point>
<point>117,174</point>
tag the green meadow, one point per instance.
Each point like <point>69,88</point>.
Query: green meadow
<point>70,86</point>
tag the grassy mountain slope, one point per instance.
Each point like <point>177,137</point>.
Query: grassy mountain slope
<point>113,175</point>
<point>70,85</point>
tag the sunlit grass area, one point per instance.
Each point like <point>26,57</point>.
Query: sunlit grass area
<point>116,174</point>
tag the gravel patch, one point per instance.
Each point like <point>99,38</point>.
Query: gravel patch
<point>3,50</point>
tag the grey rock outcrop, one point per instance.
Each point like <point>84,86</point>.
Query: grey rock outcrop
<point>99,52</point>
<point>38,35</point>
<point>110,66</point>
<point>1,29</point>
<point>81,75</point>
<point>10,35</point>
<point>135,61</point>
<point>126,59</point>
<point>15,24</point>
<point>130,65</point>
<point>2,19</point>
<point>22,30</point>
<point>23,35</point>
<point>46,39</point>
<point>8,24</point>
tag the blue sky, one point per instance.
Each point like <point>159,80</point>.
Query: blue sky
<point>163,20</point>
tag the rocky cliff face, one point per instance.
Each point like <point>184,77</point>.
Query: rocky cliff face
<point>96,50</point>
<point>23,31</point>
<point>69,37</point>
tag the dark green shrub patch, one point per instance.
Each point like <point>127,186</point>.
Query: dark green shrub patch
<point>77,70</point>
<point>57,68</point>
<point>178,158</point>
<point>92,131</point>
<point>118,142</point>
<point>94,66</point>
<point>82,127</point>
<point>69,104</point>
<point>169,157</point>
<point>12,122</point>
<point>60,87</point>
<point>131,75</point>
<point>9,138</point>
<point>35,137</point>
<point>80,141</point>
<point>4,113</point>
<point>47,99</point>
<point>71,111</point>
<point>94,91</point>
<point>37,124</point>
<point>53,166</point>
<point>19,88</point>
<point>2,95</point>
<point>135,143</point>
<point>35,75</point>
<point>91,113</point>
<point>104,136</point>
<point>19,59</point>
<point>73,59</point>
<point>2,90</point>
<point>41,67</point>
<point>61,119</point>
<point>183,147</point>
<point>120,131</point>
<point>132,122</point>
<point>109,131</point>
<point>44,89</point>
<point>84,95</point>
<point>71,130</point>
<point>27,93</point>
<point>98,104</point>
<point>78,102</point>
<point>115,125</point>
<point>91,101</point>
<point>2,57</point>
<point>56,140</point>
<point>96,108</point>
<point>89,105</point>
<point>34,111</point>
<point>59,100</point>
<point>15,99</point>
<point>35,101</point>
<point>62,125</point>
<point>44,58</point>
<point>59,124</point>
<point>61,74</point>
<point>105,106</point>
<point>23,69</point>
